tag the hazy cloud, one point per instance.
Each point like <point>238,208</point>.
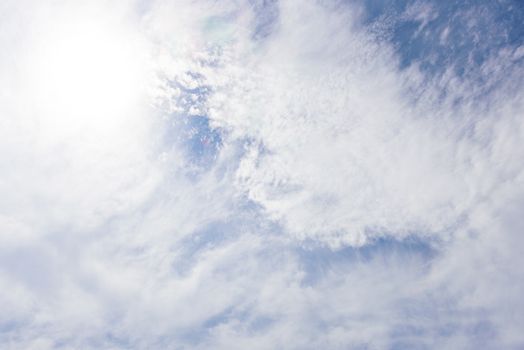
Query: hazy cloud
<point>259,174</point>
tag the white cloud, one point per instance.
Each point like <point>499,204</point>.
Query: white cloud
<point>349,204</point>
<point>341,151</point>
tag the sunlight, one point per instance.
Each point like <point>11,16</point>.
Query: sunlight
<point>87,75</point>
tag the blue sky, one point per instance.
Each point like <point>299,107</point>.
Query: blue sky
<point>250,174</point>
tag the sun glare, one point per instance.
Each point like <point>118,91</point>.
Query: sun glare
<point>87,74</point>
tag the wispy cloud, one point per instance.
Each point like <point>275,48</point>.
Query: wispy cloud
<point>260,174</point>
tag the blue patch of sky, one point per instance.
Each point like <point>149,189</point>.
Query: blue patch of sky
<point>317,261</point>
<point>201,141</point>
<point>462,34</point>
<point>191,132</point>
<point>266,17</point>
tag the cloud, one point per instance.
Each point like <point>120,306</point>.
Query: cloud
<point>284,178</point>
<point>341,152</point>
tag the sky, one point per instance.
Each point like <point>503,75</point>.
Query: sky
<point>261,174</point>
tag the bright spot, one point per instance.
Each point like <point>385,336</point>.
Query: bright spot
<point>87,75</point>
